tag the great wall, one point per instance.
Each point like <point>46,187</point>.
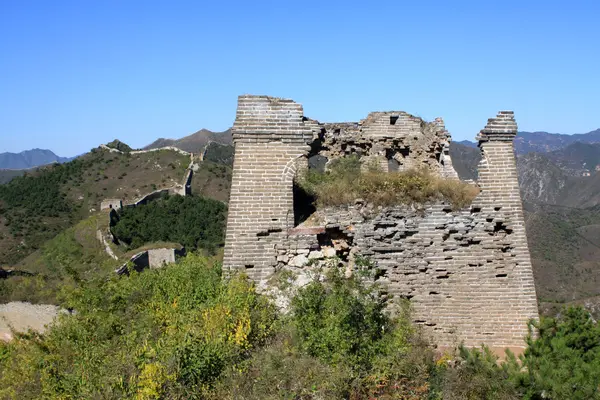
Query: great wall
<point>467,272</point>
<point>150,258</point>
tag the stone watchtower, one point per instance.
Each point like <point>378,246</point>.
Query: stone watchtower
<point>466,272</point>
<point>269,135</point>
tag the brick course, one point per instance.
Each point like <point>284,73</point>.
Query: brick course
<point>467,273</point>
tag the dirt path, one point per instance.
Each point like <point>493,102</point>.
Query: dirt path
<point>22,316</point>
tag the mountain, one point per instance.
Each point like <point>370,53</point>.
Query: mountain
<point>544,142</point>
<point>465,158</point>
<point>577,158</point>
<point>195,142</point>
<point>30,159</point>
<point>540,179</point>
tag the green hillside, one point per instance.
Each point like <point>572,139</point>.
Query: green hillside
<point>44,202</point>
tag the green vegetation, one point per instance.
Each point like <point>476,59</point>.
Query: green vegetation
<point>347,180</point>
<point>186,332</point>
<point>167,333</point>
<point>34,208</point>
<point>195,222</point>
<point>219,153</point>
<point>48,200</point>
<point>64,262</point>
<point>6,175</point>
<point>118,145</point>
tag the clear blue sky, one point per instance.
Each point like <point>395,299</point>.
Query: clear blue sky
<point>74,74</point>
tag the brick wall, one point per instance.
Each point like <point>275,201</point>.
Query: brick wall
<point>269,136</point>
<point>467,273</point>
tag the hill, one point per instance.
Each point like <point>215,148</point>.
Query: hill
<point>45,201</point>
<point>195,142</point>
<point>30,159</point>
<point>6,175</point>
<point>544,142</point>
<point>577,158</point>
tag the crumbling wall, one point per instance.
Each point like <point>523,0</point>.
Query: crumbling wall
<point>467,273</point>
<point>151,258</point>
<point>270,136</point>
<point>392,140</point>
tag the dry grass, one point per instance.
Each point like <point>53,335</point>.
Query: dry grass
<point>346,181</point>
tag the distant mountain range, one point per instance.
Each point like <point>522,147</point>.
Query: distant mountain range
<point>544,142</point>
<point>194,142</point>
<point>30,159</point>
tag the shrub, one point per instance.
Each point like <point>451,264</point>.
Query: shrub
<point>165,333</point>
<point>563,362</point>
<point>341,321</point>
<point>281,371</point>
<point>347,180</point>
<point>478,375</point>
<point>195,222</point>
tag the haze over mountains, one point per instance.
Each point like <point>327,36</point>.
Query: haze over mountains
<point>30,159</point>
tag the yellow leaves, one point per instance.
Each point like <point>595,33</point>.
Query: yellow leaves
<point>151,381</point>
<point>224,326</point>
<point>242,330</point>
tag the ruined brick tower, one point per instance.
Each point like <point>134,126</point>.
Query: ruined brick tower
<point>269,135</point>
<point>466,272</point>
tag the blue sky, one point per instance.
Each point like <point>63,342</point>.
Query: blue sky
<point>74,74</point>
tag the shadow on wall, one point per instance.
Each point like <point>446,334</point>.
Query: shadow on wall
<point>304,205</point>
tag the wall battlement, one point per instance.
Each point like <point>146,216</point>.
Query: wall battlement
<point>467,272</point>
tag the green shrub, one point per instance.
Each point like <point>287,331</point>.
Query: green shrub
<point>563,362</point>
<point>347,180</point>
<point>478,375</point>
<point>165,333</point>
<point>195,222</point>
<point>280,371</point>
<point>341,321</point>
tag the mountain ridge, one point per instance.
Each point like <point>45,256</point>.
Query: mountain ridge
<point>195,142</point>
<point>30,159</point>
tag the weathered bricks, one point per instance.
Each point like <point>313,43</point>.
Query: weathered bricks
<point>467,273</point>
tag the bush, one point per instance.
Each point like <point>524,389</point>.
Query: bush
<point>165,333</point>
<point>281,371</point>
<point>347,180</point>
<point>564,361</point>
<point>341,321</point>
<point>478,375</point>
<point>194,222</point>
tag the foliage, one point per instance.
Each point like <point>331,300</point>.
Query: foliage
<point>219,153</point>
<point>348,180</point>
<point>30,200</point>
<point>65,261</point>
<point>118,145</point>
<point>280,371</point>
<point>195,222</point>
<point>479,375</point>
<point>164,333</point>
<point>341,321</point>
<point>563,362</point>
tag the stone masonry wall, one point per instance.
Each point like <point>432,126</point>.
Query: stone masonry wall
<point>466,272</point>
<point>269,135</point>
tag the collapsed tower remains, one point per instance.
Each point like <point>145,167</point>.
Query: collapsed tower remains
<point>466,272</point>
